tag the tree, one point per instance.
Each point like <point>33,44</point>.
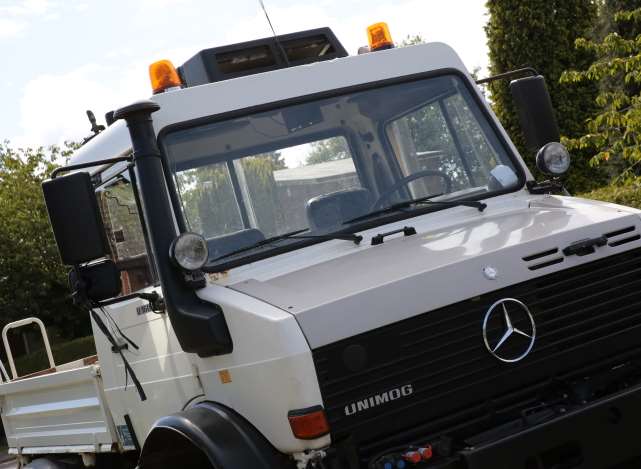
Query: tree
<point>210,203</point>
<point>614,134</point>
<point>330,149</point>
<point>278,162</point>
<point>628,29</point>
<point>33,282</point>
<point>541,34</point>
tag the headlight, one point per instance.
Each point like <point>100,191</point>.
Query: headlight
<point>189,251</point>
<point>553,159</point>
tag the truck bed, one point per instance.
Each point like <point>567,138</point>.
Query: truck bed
<point>58,412</point>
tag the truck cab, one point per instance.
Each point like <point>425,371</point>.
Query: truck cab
<point>297,258</point>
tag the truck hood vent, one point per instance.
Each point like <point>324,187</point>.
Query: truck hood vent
<point>544,259</point>
<point>622,236</point>
<point>540,260</point>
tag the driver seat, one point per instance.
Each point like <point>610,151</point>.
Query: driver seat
<point>329,211</point>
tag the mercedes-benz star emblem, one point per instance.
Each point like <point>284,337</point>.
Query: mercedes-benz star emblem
<point>513,344</point>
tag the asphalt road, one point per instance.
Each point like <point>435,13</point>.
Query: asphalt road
<point>8,465</point>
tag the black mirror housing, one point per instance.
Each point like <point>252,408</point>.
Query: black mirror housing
<point>536,113</point>
<point>98,281</point>
<point>75,218</point>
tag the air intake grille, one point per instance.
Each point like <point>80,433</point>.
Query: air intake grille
<point>623,236</point>
<point>584,316</point>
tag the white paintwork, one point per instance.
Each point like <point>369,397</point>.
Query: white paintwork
<point>7,346</point>
<point>440,265</point>
<point>278,85</point>
<point>66,449</point>
<point>271,368</point>
<point>62,409</point>
<point>162,367</point>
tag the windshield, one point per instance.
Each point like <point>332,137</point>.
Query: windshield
<point>317,165</point>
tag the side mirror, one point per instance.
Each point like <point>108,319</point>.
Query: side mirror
<point>75,218</point>
<point>98,281</point>
<point>535,110</point>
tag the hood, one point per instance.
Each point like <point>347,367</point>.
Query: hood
<point>457,254</point>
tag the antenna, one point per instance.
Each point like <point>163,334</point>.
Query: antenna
<point>280,46</point>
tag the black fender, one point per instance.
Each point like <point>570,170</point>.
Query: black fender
<point>209,434</point>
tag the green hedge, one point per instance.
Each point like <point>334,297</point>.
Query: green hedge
<point>622,195</point>
<point>62,353</point>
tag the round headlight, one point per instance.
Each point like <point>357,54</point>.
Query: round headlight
<point>189,251</point>
<point>553,159</point>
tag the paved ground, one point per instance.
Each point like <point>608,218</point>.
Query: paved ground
<point>8,465</point>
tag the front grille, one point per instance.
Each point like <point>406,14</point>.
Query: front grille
<point>585,316</point>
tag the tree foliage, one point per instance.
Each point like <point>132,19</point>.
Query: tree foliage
<point>613,135</point>
<point>608,23</point>
<point>210,203</point>
<point>330,149</point>
<point>541,34</point>
<point>32,279</point>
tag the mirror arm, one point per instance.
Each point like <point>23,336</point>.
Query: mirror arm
<point>551,186</point>
<point>81,298</point>
<point>156,301</point>
<point>65,169</point>
<point>79,288</point>
<point>527,71</point>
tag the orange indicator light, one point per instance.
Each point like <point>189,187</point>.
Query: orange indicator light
<point>379,37</point>
<point>308,424</point>
<point>163,75</point>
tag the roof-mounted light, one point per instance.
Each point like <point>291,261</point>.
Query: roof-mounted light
<point>163,75</point>
<point>379,37</point>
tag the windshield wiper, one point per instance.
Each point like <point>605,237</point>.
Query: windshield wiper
<point>421,201</point>
<point>356,239</point>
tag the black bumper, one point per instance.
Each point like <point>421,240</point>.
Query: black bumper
<point>600,435</point>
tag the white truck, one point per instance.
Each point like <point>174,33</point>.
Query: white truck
<point>295,258</point>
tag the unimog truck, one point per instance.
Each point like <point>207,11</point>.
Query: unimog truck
<point>295,258</point>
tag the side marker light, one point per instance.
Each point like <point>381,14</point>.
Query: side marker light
<point>308,424</point>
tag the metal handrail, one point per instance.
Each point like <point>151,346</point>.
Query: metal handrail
<point>7,347</point>
<point>4,376</point>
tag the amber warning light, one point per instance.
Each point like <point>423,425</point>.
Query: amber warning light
<point>163,75</point>
<point>379,37</point>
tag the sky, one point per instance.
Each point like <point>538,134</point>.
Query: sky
<point>61,57</point>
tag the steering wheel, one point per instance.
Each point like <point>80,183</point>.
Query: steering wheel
<point>406,180</point>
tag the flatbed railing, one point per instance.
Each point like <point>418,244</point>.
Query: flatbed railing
<point>7,346</point>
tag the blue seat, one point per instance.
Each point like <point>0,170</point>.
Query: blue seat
<point>330,211</point>
<point>222,245</point>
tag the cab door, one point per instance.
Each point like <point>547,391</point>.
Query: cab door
<point>146,337</point>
